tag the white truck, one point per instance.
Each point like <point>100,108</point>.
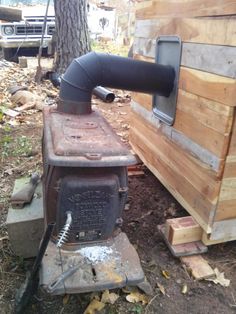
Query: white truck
<point>25,35</point>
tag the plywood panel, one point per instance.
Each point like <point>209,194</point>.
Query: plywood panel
<point>197,205</point>
<point>184,8</point>
<point>220,60</point>
<point>217,31</point>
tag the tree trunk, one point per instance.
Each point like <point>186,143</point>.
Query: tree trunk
<point>72,37</point>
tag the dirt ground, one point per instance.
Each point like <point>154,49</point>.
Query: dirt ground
<point>149,204</point>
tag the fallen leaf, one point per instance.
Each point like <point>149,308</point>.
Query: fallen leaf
<point>94,306</point>
<point>108,297</point>
<point>161,288</point>
<point>127,289</point>
<point>135,297</point>
<point>66,299</point>
<point>220,278</point>
<point>165,274</point>
<point>184,289</point>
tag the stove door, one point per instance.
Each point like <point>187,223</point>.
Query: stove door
<point>94,202</point>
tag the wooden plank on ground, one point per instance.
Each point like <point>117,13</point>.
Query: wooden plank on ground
<point>190,8</point>
<point>215,31</point>
<point>183,230</point>
<point>198,267</point>
<point>220,60</point>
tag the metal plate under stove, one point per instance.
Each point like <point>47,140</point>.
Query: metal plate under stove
<point>91,267</point>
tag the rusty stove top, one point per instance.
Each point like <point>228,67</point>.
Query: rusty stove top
<point>82,141</point>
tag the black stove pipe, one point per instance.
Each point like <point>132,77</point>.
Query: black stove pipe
<point>93,69</point>
<point>104,94</point>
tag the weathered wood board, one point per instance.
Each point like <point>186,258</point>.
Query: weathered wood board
<point>214,31</point>
<point>159,8</point>
<point>196,56</point>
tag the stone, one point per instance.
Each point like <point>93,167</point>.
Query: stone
<point>25,226</point>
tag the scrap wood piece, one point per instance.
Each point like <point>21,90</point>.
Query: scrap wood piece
<point>135,170</point>
<point>183,230</point>
<point>198,267</point>
<point>9,112</point>
<point>185,249</point>
<point>220,278</point>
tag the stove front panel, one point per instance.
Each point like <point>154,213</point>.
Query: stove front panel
<point>94,202</point>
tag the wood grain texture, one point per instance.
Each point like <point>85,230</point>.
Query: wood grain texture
<point>211,164</point>
<point>210,86</point>
<point>218,88</point>
<point>200,120</point>
<point>228,189</point>
<point>216,31</point>
<point>232,146</point>
<point>215,108</point>
<point>226,209</point>
<point>196,191</point>
<point>199,267</point>
<point>208,138</point>
<point>207,241</point>
<point>184,8</point>
<point>220,60</point>
<point>182,230</point>
<point>224,230</point>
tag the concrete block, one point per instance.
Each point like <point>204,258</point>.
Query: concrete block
<point>25,226</point>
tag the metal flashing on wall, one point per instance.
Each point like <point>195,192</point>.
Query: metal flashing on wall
<point>168,52</point>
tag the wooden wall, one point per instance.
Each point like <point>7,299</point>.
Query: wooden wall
<point>196,158</point>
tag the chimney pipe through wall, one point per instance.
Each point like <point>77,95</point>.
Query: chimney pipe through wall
<point>94,69</point>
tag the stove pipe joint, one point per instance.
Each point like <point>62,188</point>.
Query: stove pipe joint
<point>94,69</point>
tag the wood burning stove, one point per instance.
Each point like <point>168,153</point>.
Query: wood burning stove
<point>85,190</point>
<point>85,178</point>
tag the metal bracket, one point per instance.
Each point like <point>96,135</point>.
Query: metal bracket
<point>168,52</point>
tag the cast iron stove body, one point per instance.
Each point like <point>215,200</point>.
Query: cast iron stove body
<point>85,177</point>
<point>85,173</point>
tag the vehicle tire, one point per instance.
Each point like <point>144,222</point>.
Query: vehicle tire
<point>9,54</point>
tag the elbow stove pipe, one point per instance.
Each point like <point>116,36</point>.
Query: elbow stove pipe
<point>94,69</point>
